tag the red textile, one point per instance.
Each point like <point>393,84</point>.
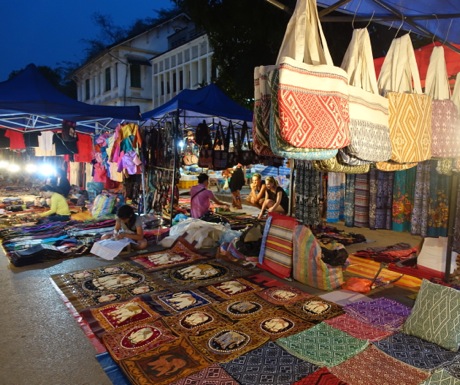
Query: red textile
<point>85,148</point>
<point>16,140</point>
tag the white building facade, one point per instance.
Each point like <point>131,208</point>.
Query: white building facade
<point>148,69</point>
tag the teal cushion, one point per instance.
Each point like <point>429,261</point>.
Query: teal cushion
<point>436,316</point>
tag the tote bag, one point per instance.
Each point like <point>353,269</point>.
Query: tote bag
<point>409,109</point>
<point>313,93</point>
<point>369,130</point>
<point>445,120</point>
<point>220,149</point>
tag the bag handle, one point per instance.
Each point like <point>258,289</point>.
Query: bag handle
<point>437,79</point>
<point>304,39</point>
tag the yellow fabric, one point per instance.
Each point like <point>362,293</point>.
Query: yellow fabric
<point>58,205</point>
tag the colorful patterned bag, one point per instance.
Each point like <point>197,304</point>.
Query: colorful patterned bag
<point>333,165</point>
<point>308,266</point>
<point>313,93</point>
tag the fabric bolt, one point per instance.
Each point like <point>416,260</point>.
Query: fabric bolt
<point>323,345</point>
<point>314,309</point>
<point>361,200</point>
<point>196,321</point>
<point>277,323</point>
<point>441,377</point>
<point>212,375</point>
<point>245,307</point>
<point>269,364</point>
<point>132,340</point>
<point>373,367</point>
<point>320,377</point>
<point>164,365</point>
<point>283,295</point>
<point>112,316</point>
<point>227,343</point>
<point>415,351</point>
<point>307,193</point>
<point>403,199</point>
<point>380,199</point>
<point>381,312</point>
<point>357,328</point>
<point>335,197</point>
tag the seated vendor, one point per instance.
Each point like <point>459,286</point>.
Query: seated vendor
<point>128,225</point>
<point>59,209</point>
<point>201,197</point>
<point>258,188</point>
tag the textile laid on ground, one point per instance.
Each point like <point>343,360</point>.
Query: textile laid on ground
<point>381,312</point>
<point>86,288</point>
<point>357,328</point>
<point>441,377</point>
<point>180,253</point>
<point>165,364</point>
<point>315,309</point>
<point>373,367</point>
<point>323,345</point>
<point>232,288</point>
<point>389,254</point>
<point>213,375</point>
<point>415,351</point>
<point>269,364</point>
<point>243,307</point>
<point>321,377</point>
<point>283,295</point>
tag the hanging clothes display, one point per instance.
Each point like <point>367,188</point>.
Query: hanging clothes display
<point>335,197</point>
<point>307,193</point>
<point>380,199</point>
<point>349,214</point>
<point>362,200</point>
<point>403,199</point>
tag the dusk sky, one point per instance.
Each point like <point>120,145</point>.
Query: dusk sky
<point>47,32</point>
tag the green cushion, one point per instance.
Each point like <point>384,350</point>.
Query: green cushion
<point>436,316</point>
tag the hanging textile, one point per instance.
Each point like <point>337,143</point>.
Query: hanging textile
<point>335,197</point>
<point>362,200</point>
<point>349,214</point>
<point>403,199</point>
<point>380,199</point>
<point>456,240</point>
<point>307,192</point>
<point>419,216</point>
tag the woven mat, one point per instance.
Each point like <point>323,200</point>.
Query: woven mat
<point>213,375</point>
<point>442,377</point>
<point>180,253</point>
<point>323,345</point>
<point>283,295</point>
<point>109,317</point>
<point>453,367</point>
<point>129,341</point>
<point>357,328</point>
<point>381,312</point>
<point>164,365</point>
<point>269,364</point>
<point>321,377</point>
<point>227,343</point>
<point>373,367</point>
<point>315,309</point>
<point>415,351</point>
<point>87,288</point>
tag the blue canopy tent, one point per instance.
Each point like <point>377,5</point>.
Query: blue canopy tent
<point>28,102</point>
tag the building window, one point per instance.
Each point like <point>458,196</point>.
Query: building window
<point>135,72</point>
<point>115,80</point>
<point>108,83</point>
<point>87,89</point>
<point>174,82</point>
<point>181,80</point>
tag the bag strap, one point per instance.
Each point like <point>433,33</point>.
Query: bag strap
<point>437,79</point>
<point>197,193</point>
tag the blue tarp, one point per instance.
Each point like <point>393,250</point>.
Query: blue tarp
<point>422,17</point>
<point>29,102</point>
<point>204,102</point>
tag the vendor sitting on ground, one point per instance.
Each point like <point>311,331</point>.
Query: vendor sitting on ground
<point>59,209</point>
<point>276,199</point>
<point>257,195</point>
<point>128,225</point>
<point>201,197</point>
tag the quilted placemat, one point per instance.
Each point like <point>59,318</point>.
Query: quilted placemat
<point>323,345</point>
<point>277,323</point>
<point>441,377</point>
<point>269,364</point>
<point>321,377</point>
<point>87,288</point>
<point>415,351</point>
<point>315,309</point>
<point>168,303</point>
<point>165,364</point>
<point>115,315</point>
<point>213,375</point>
<point>283,295</point>
<point>453,367</point>
<point>357,328</point>
<point>200,274</point>
<point>180,253</point>
<point>129,341</point>
<point>381,312</point>
<point>196,321</point>
<point>373,367</point>
<point>227,343</point>
<point>243,307</point>
<point>232,288</point>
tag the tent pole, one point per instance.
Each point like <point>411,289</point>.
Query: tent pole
<point>175,135</point>
<point>451,224</point>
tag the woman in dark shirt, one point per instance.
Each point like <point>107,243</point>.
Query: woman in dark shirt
<point>276,199</point>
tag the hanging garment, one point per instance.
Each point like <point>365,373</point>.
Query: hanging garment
<point>349,210</point>
<point>335,197</point>
<point>380,199</point>
<point>307,193</point>
<point>403,199</point>
<point>362,200</point>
